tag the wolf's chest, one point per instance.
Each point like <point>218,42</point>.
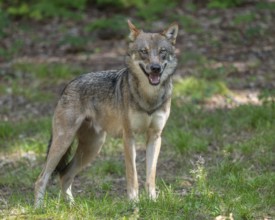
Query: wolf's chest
<point>139,121</point>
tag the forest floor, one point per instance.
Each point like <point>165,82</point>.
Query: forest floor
<point>218,148</point>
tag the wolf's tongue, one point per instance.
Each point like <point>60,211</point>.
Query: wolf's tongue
<point>154,79</point>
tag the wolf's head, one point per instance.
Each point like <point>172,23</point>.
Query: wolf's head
<point>151,56</point>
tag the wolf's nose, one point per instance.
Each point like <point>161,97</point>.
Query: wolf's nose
<point>155,68</point>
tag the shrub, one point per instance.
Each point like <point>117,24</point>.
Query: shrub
<point>222,4</point>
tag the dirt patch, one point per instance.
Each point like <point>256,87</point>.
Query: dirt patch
<point>246,47</point>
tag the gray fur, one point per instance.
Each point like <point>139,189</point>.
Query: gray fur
<point>135,99</point>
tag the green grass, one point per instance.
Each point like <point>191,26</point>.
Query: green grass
<point>152,10</point>
<point>244,18</point>
<point>49,71</point>
<point>13,130</point>
<point>24,136</point>
<point>189,24</point>
<point>233,173</point>
<point>34,81</point>
<point>199,89</point>
<point>13,50</point>
<point>28,92</point>
<point>223,4</point>
<point>115,23</point>
<point>239,176</point>
<point>45,9</point>
<point>266,5</point>
<point>192,58</point>
<point>213,162</point>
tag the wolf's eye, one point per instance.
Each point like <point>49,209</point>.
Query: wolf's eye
<point>163,51</point>
<point>143,51</point>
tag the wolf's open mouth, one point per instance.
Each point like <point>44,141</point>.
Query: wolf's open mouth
<point>154,78</point>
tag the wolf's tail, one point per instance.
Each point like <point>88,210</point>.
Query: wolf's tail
<point>65,160</point>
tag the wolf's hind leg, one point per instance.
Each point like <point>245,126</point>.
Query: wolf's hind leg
<point>64,130</point>
<point>90,142</point>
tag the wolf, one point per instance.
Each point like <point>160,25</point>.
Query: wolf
<point>135,99</point>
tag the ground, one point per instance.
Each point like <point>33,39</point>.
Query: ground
<point>218,149</point>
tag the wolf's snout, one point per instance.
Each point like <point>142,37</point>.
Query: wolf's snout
<point>155,68</point>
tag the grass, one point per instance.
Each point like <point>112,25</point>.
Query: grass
<point>189,24</point>
<point>199,89</point>
<point>13,131</point>
<point>235,178</point>
<point>117,23</point>
<point>206,80</point>
<point>213,162</point>
<point>34,81</point>
<point>153,9</point>
<point>223,4</point>
<point>50,72</point>
<point>244,18</point>
<point>11,51</point>
<point>239,174</point>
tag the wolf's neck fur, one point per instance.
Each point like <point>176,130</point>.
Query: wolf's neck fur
<point>147,97</point>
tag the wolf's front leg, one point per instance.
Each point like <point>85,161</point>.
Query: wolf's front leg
<point>152,153</point>
<point>130,163</point>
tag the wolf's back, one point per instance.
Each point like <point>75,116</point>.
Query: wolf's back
<point>103,85</point>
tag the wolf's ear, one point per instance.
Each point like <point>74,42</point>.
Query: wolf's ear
<point>171,32</point>
<point>134,32</point>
